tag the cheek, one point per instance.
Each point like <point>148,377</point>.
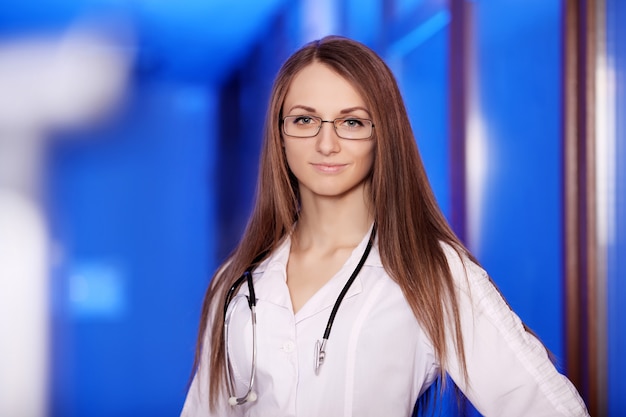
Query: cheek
<point>294,157</point>
<point>367,158</point>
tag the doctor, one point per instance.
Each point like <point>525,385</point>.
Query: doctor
<point>349,294</point>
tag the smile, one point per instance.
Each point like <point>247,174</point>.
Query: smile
<point>329,168</point>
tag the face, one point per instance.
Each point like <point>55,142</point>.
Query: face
<point>327,165</point>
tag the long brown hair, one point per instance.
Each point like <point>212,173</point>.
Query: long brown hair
<point>411,227</point>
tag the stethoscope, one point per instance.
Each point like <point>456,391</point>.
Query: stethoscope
<point>320,346</point>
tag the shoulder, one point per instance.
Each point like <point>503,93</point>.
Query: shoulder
<point>465,271</point>
<point>277,257</point>
<point>474,286</point>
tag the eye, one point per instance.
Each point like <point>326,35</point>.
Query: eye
<point>353,123</point>
<point>303,120</point>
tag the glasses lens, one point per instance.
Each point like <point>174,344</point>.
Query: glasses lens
<point>301,126</point>
<point>353,128</point>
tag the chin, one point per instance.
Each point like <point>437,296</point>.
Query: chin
<point>335,192</point>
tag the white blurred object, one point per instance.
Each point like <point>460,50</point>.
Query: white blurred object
<point>23,307</point>
<point>46,83</point>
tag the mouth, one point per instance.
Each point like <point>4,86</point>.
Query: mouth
<point>329,168</point>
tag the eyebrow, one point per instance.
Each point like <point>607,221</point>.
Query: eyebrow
<point>343,111</point>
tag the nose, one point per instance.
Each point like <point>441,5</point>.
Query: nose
<point>327,140</point>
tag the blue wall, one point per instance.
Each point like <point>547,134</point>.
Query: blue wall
<point>419,58</point>
<point>132,216</point>
<point>616,40</point>
<point>518,62</point>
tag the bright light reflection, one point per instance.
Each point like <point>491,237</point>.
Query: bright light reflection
<point>605,171</point>
<point>476,152</point>
<point>476,171</point>
<point>605,150</point>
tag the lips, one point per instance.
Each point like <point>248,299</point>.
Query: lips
<point>329,168</point>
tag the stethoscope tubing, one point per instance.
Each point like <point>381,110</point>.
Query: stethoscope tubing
<point>346,287</point>
<point>320,346</point>
<point>250,395</point>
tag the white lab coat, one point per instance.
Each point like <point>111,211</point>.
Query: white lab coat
<point>379,360</point>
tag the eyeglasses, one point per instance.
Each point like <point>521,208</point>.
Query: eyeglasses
<point>304,126</point>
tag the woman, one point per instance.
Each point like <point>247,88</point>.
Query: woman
<point>364,295</point>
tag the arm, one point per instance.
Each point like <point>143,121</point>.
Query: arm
<point>197,400</point>
<point>510,373</point>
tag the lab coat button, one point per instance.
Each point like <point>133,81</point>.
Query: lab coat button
<point>288,347</point>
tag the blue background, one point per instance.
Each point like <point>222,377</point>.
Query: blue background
<point>143,208</point>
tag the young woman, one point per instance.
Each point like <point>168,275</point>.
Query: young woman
<point>349,294</point>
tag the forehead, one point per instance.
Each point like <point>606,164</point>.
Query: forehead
<point>320,87</point>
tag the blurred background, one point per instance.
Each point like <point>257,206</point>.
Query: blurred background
<point>129,139</point>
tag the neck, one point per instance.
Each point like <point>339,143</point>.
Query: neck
<point>331,222</point>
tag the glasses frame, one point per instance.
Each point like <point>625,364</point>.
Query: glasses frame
<point>322,121</point>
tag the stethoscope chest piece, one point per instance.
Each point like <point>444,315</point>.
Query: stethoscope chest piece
<point>320,355</point>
